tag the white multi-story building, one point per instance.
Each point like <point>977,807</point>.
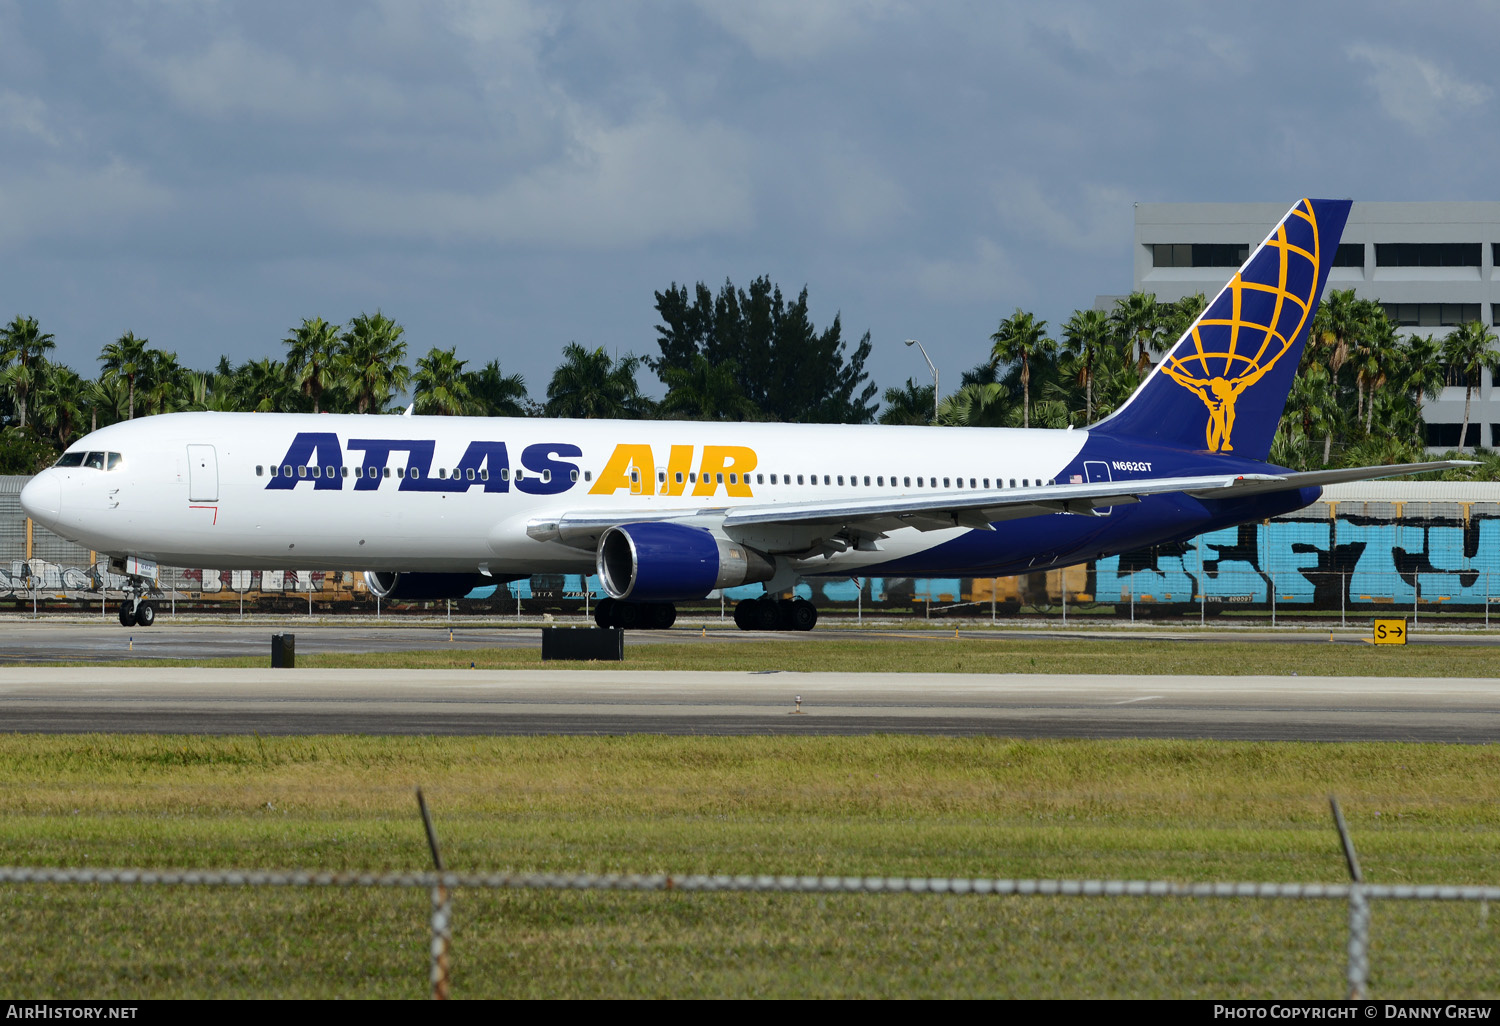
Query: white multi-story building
<point>1433,266</point>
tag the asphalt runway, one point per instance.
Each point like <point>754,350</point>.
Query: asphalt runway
<point>73,640</point>
<point>246,701</point>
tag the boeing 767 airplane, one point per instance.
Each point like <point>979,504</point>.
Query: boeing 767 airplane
<point>667,511</point>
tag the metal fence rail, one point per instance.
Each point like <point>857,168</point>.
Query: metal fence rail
<point>784,884</point>
<point>441,885</point>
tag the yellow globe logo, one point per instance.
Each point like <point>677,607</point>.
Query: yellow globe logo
<point>1251,324</point>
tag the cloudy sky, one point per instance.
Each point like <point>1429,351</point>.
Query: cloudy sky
<point>508,177</point>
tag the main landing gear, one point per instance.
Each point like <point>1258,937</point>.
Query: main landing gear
<point>766,614</point>
<point>656,616</point>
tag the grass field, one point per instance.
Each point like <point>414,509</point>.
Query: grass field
<point>885,805</point>
<point>996,654</point>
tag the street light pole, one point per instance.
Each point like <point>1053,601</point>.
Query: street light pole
<point>914,342</point>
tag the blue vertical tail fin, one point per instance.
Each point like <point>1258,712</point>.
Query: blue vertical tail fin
<point>1223,386</point>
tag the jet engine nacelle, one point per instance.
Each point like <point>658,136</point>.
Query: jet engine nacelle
<point>414,587</point>
<point>663,562</point>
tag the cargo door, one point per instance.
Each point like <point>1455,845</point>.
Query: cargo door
<point>1097,472</point>
<point>203,474</point>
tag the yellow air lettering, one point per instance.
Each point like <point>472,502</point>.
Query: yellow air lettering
<point>680,461</point>
<point>725,459</point>
<point>616,473</point>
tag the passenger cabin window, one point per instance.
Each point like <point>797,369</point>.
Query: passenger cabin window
<point>588,475</point>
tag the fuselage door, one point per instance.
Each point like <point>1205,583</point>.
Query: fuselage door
<point>1097,471</point>
<point>203,474</point>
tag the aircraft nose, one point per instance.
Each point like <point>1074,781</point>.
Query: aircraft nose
<point>42,497</point>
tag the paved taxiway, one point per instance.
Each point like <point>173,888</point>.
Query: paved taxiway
<point>72,640</point>
<point>244,701</point>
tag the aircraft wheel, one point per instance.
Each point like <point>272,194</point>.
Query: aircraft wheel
<point>127,615</point>
<point>784,616</point>
<point>742,614</point>
<point>765,616</point>
<point>604,613</point>
<point>804,615</point>
<point>145,614</point>
<point>628,615</point>
<point>661,615</point>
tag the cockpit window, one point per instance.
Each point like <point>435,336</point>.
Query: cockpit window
<point>70,459</point>
<point>113,460</point>
<point>94,461</point>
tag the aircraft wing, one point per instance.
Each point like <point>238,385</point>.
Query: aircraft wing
<point>872,516</point>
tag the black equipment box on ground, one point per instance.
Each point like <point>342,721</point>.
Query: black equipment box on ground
<point>283,651</point>
<point>583,643</point>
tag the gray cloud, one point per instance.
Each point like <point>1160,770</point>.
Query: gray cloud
<point>510,176</point>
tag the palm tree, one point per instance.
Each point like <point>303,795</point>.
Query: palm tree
<point>439,385</point>
<point>497,394</point>
<point>1422,373</point>
<point>167,385</point>
<point>1378,355</point>
<point>911,404</point>
<point>1022,337</point>
<point>1085,336</point>
<point>1336,326</point>
<point>1312,407</point>
<point>24,344</point>
<point>59,396</point>
<point>125,358</point>
<point>589,384</point>
<point>977,405</point>
<point>312,354</point>
<point>371,367</point>
<point>1467,351</point>
<point>705,391</point>
<point>1137,320</point>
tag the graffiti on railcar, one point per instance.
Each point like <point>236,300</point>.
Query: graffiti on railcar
<point>1330,563</point>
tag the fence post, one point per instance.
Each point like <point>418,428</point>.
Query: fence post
<point>994,588</point>
<point>1343,589</point>
<point>442,913</point>
<point>1359,909</point>
<point>1273,600</point>
<point>1063,577</point>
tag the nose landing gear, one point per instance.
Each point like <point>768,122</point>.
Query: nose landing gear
<point>137,610</point>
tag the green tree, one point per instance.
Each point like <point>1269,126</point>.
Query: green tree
<point>704,391</point>
<point>1137,321</point>
<point>312,357</point>
<point>1085,336</point>
<point>788,369</point>
<point>910,404</point>
<point>59,396</point>
<point>1467,351</point>
<point>372,370</point>
<point>1021,337</point>
<point>439,386</point>
<point>123,359</point>
<point>977,405</point>
<point>24,345</point>
<point>497,394</point>
<point>589,384</point>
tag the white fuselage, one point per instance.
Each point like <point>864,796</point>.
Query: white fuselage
<point>238,491</point>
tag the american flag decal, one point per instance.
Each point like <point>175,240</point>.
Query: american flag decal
<point>1076,479</point>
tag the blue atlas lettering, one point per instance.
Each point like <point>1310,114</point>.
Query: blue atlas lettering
<point>552,476</point>
<point>312,449</point>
